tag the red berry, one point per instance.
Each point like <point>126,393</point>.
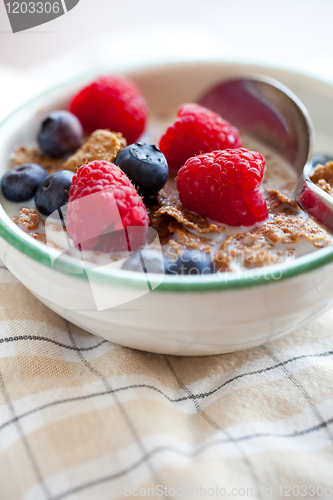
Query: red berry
<point>196,130</point>
<point>224,185</point>
<point>113,216</point>
<point>111,102</point>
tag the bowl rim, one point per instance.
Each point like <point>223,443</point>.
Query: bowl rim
<point>117,277</point>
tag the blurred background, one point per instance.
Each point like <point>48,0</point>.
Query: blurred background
<point>294,34</point>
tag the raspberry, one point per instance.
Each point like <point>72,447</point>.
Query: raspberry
<point>113,217</point>
<point>196,130</point>
<point>111,102</point>
<point>224,185</point>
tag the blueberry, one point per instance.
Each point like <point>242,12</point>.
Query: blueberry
<point>319,158</point>
<point>145,165</point>
<point>52,194</point>
<point>150,261</point>
<point>20,183</point>
<point>60,133</point>
<point>192,262</point>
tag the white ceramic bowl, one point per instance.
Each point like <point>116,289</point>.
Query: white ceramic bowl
<point>182,315</point>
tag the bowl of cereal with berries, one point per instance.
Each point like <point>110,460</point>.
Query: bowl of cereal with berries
<point>150,220</point>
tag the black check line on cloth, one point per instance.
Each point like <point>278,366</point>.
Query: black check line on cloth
<point>190,395</point>
<point>25,441</point>
<point>46,339</point>
<point>122,410</point>
<point>217,427</point>
<point>302,390</point>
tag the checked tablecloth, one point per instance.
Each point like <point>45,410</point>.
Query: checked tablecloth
<point>84,419</point>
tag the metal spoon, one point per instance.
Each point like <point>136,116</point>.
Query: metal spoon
<point>269,112</point>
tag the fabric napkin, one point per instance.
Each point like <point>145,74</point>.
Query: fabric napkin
<point>82,418</point>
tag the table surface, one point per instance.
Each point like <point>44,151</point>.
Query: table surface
<point>292,34</point>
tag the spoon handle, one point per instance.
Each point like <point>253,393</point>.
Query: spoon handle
<point>268,111</point>
<point>314,201</point>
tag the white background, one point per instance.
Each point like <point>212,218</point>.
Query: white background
<point>296,34</point>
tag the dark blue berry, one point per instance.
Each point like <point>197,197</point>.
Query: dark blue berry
<point>319,158</point>
<point>145,165</point>
<point>20,183</point>
<point>60,133</point>
<point>192,262</point>
<point>52,194</point>
<point>148,261</point>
